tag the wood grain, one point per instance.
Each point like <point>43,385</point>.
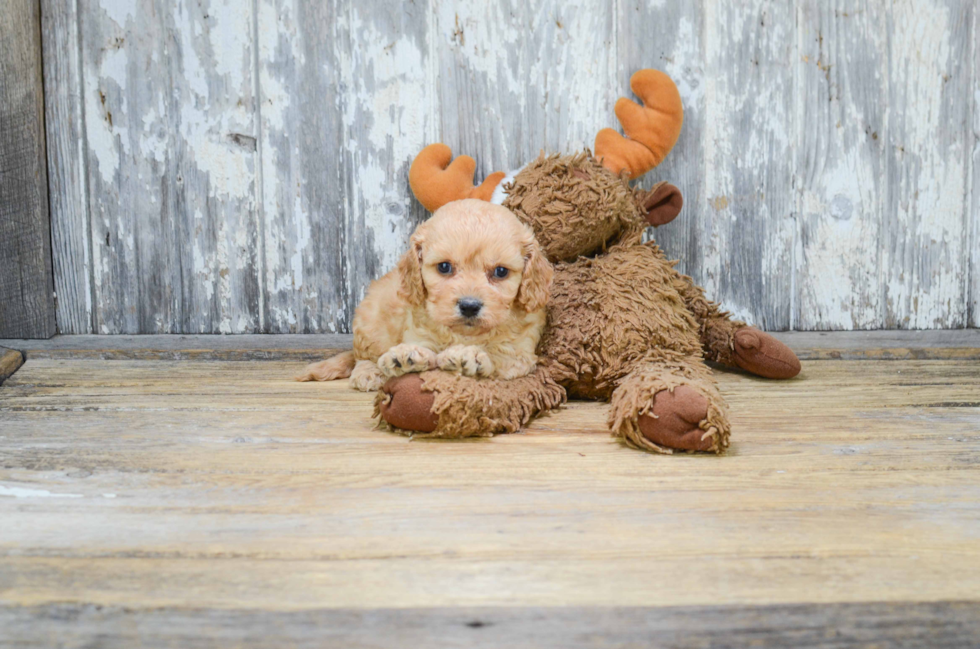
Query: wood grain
<point>973,217</point>
<point>750,124</point>
<point>943,625</point>
<point>301,147</point>
<point>170,131</point>
<point>837,345</point>
<point>26,289</point>
<point>71,227</point>
<point>674,43</point>
<point>841,162</point>
<point>209,485</point>
<point>829,157</point>
<point>929,148</point>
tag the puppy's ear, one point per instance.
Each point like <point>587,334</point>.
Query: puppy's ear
<point>412,288</point>
<point>538,273</point>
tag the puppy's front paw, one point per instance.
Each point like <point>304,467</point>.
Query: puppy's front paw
<point>468,360</point>
<point>366,377</point>
<point>403,359</point>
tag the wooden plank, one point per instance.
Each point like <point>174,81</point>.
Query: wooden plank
<point>481,105</point>
<point>26,287</point>
<point>335,221</point>
<point>301,146</point>
<point>963,344</point>
<point>228,486</point>
<point>171,156</point>
<point>573,76</point>
<point>841,164</point>
<point>307,347</point>
<point>388,118</point>
<point>941,625</point>
<point>973,215</point>
<point>928,151</point>
<point>67,175</point>
<point>749,135</point>
<point>516,80</point>
<point>10,362</point>
<point>671,39</point>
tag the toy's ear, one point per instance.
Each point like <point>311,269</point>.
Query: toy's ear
<point>661,204</point>
<point>412,288</point>
<point>537,276</point>
<point>651,129</point>
<point>435,181</point>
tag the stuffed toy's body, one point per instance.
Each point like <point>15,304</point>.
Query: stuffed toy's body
<point>623,324</point>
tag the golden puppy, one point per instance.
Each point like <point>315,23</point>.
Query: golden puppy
<point>469,296</point>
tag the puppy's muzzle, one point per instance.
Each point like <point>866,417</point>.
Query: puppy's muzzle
<point>469,307</point>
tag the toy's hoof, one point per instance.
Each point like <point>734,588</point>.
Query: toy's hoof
<point>676,420</point>
<point>760,353</point>
<point>660,205</point>
<point>407,406</point>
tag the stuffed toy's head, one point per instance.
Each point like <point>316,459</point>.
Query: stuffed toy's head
<point>578,204</point>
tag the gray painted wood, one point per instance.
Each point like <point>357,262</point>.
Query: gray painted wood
<point>171,160</point>
<point>674,43</point>
<point>973,215</point>
<point>749,138</point>
<point>926,224</point>
<point>840,160</point>
<point>301,151</point>
<point>909,625</point>
<point>253,178</point>
<point>387,79</point>
<point>26,290</point>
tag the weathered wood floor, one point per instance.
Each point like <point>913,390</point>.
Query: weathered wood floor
<point>166,500</point>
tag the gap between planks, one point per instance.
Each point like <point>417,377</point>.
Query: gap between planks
<point>958,344</point>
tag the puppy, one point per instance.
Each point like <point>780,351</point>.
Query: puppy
<point>469,296</point>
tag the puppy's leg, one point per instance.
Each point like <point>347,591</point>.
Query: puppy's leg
<point>468,360</point>
<point>338,367</point>
<point>404,358</point>
<point>513,366</point>
<point>366,377</point>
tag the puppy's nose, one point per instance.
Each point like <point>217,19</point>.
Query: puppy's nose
<point>469,307</point>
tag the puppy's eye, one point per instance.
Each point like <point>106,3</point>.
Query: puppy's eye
<point>445,267</point>
<point>500,272</point>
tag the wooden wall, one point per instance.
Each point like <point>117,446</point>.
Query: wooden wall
<point>241,165</point>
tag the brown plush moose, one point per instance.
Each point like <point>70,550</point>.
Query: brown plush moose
<point>623,324</point>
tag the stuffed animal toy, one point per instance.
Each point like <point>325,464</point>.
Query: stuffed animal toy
<point>623,324</point>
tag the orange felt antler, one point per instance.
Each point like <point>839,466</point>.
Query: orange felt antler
<point>436,182</point>
<point>652,128</point>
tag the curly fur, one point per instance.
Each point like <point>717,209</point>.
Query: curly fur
<point>470,407</point>
<point>411,319</point>
<point>623,324</point>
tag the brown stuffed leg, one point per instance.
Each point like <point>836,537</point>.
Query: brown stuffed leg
<point>668,403</point>
<point>734,343</point>
<point>446,404</point>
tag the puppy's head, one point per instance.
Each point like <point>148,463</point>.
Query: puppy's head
<point>474,265</point>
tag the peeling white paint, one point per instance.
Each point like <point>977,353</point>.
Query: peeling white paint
<point>924,255</point>
<point>119,11</point>
<point>781,215</point>
<point>387,92</point>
